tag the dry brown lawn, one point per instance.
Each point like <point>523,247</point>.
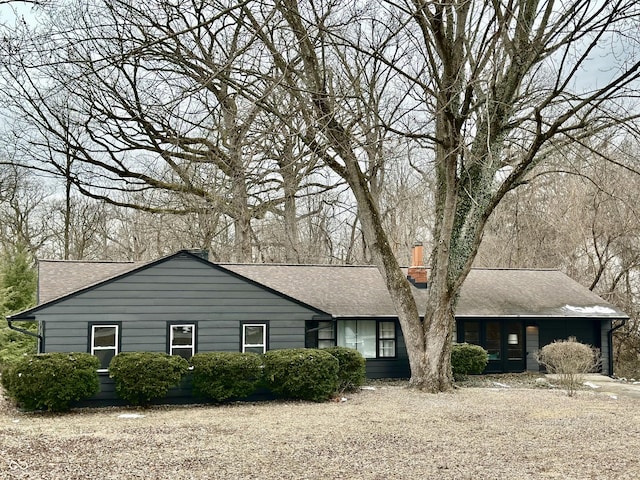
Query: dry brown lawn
<point>390,432</point>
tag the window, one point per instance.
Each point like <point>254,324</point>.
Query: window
<point>320,334</point>
<point>182,340</point>
<point>493,340</point>
<point>504,341</point>
<point>372,338</point>
<point>472,332</point>
<point>105,341</point>
<point>254,337</point>
<point>386,339</point>
<point>515,337</point>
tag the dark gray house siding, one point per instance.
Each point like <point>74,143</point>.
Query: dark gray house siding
<point>179,289</point>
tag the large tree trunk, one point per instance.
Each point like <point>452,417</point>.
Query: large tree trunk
<point>476,57</point>
<point>438,330</point>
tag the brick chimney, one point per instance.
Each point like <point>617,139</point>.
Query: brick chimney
<point>417,273</point>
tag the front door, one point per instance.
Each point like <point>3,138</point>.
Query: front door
<point>503,339</point>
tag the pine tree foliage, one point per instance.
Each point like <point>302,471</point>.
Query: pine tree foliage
<point>17,292</point>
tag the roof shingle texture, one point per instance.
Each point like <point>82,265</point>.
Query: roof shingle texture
<point>345,291</point>
<point>61,277</point>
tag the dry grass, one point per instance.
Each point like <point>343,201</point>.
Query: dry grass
<point>390,432</point>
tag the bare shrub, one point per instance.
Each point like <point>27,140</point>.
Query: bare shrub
<point>570,360</point>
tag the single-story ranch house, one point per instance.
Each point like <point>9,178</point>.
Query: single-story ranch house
<point>182,304</point>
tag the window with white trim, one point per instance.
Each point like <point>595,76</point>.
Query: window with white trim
<point>254,337</point>
<point>182,340</point>
<point>104,343</point>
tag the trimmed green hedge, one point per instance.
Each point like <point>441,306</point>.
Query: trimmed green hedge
<point>142,377</point>
<point>468,359</point>
<point>52,380</point>
<point>302,373</point>
<point>223,375</point>
<point>352,368</point>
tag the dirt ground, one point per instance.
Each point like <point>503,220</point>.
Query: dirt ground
<point>501,432</point>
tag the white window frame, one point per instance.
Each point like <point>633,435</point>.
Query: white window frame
<point>115,348</point>
<point>246,345</point>
<point>182,347</point>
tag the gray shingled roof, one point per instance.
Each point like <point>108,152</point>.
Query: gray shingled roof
<point>61,277</point>
<point>338,290</point>
<point>526,293</point>
<point>359,290</point>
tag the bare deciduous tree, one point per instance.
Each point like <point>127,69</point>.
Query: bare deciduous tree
<point>488,88</point>
<point>151,101</point>
<point>494,83</point>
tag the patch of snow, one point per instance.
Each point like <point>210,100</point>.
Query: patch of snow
<point>595,310</point>
<point>16,421</point>
<point>130,415</point>
<point>501,385</point>
<point>636,383</point>
<point>591,385</point>
<point>343,399</point>
<point>502,174</point>
<point>368,388</point>
<point>613,397</point>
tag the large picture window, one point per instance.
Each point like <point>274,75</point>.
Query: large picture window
<point>372,338</point>
<point>254,337</point>
<point>105,340</point>
<point>182,340</point>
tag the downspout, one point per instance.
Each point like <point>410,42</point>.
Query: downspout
<point>26,332</point>
<point>610,340</point>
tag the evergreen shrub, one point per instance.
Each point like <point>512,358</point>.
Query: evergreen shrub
<point>51,380</point>
<point>142,377</point>
<point>468,359</point>
<point>302,373</point>
<point>223,375</point>
<point>351,368</point>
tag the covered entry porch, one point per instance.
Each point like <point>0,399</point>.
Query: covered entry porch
<point>512,343</point>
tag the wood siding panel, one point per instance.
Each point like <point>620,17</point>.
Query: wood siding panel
<point>180,289</point>
<point>585,331</point>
